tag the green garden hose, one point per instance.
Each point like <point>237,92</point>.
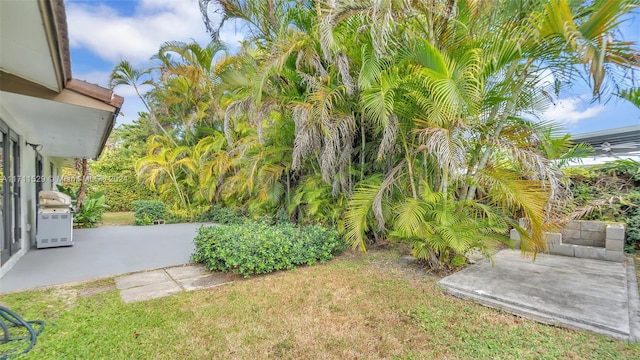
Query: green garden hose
<point>12,322</point>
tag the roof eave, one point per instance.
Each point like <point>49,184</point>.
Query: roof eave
<point>54,20</point>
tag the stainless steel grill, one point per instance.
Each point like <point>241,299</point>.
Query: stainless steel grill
<point>55,220</point>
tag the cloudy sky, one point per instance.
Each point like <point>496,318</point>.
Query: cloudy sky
<point>102,33</point>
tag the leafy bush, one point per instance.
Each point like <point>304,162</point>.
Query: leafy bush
<point>631,208</point>
<point>195,213</point>
<point>121,190</point>
<point>68,190</point>
<point>609,192</point>
<point>626,167</point>
<point>91,211</point>
<point>222,215</point>
<point>114,172</point>
<point>259,248</point>
<point>92,208</point>
<point>148,211</point>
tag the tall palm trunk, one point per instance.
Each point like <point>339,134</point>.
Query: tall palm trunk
<point>84,168</point>
<point>500,123</point>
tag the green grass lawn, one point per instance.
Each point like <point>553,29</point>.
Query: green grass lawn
<point>117,218</point>
<point>355,307</point>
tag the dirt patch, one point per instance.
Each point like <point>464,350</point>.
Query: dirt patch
<point>398,261</point>
<point>91,291</point>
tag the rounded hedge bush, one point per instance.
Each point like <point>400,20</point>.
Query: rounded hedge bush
<point>259,248</point>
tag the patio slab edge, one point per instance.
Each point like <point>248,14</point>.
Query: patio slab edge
<point>531,313</point>
<point>87,281</point>
<point>634,300</point>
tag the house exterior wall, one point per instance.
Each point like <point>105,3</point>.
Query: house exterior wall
<point>27,182</point>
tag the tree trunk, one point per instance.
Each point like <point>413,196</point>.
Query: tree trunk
<point>84,168</point>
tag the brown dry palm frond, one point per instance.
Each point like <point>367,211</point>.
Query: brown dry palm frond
<point>389,135</point>
<point>307,135</point>
<point>598,204</point>
<point>447,146</point>
<point>506,189</point>
<point>234,110</point>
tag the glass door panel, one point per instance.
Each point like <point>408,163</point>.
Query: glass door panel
<point>16,229</point>
<point>5,241</point>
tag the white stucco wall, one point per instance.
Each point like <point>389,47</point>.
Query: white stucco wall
<point>27,188</point>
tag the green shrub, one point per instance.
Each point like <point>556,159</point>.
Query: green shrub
<point>626,167</point>
<point>609,192</point>
<point>148,211</point>
<point>122,191</point>
<point>222,215</point>
<point>259,248</point>
<point>91,212</point>
<point>631,209</point>
<point>191,214</point>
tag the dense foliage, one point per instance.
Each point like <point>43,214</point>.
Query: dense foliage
<point>610,192</point>
<point>146,212</point>
<point>259,248</point>
<point>114,172</point>
<point>90,213</point>
<point>380,118</point>
<point>223,215</point>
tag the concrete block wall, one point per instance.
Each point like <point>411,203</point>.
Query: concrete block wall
<point>587,233</point>
<point>585,239</point>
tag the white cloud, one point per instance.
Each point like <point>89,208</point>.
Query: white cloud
<point>136,38</point>
<point>572,110</point>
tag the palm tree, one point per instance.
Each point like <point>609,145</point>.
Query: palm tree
<point>421,113</point>
<point>459,98</point>
<point>168,169</point>
<point>191,80</point>
<point>126,74</point>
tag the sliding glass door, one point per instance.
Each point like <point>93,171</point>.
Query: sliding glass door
<point>10,229</point>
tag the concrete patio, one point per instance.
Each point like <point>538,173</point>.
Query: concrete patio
<point>158,283</point>
<point>103,252</point>
<point>585,294</point>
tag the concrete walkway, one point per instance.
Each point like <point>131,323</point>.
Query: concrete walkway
<point>102,252</point>
<point>163,282</point>
<point>584,294</point>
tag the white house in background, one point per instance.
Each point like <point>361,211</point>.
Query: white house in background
<point>611,144</point>
<point>47,118</point>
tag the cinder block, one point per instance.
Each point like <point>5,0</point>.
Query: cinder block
<point>597,226</point>
<point>553,238</point>
<point>568,234</point>
<point>573,225</point>
<point>578,241</point>
<point>617,256</point>
<point>590,252</point>
<point>615,231</point>
<point>592,235</point>
<point>561,249</point>
<point>615,244</point>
